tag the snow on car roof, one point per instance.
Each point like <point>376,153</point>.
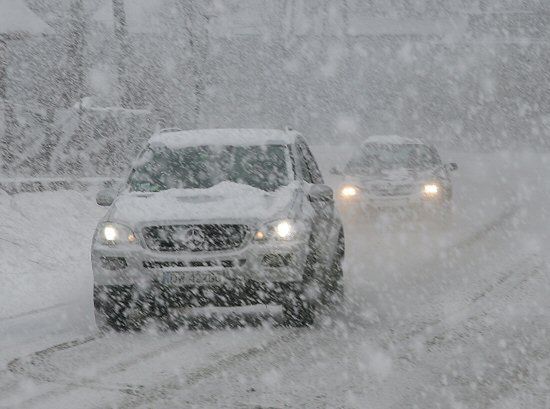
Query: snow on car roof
<point>234,137</point>
<point>392,139</point>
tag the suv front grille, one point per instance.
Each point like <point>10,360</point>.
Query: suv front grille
<point>196,237</point>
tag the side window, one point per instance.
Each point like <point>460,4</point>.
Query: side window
<point>435,156</point>
<point>301,158</point>
<point>310,164</point>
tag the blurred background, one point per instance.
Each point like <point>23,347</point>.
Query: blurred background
<point>84,83</point>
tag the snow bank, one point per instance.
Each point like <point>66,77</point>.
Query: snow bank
<point>45,272</point>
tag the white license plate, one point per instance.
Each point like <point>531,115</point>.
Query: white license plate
<point>191,278</point>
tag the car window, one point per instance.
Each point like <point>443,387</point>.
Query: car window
<point>310,164</point>
<point>201,167</point>
<point>301,159</point>
<point>375,156</point>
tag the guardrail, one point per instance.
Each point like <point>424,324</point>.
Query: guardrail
<point>29,185</point>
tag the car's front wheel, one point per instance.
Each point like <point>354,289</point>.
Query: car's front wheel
<point>334,289</point>
<point>298,311</point>
<point>113,310</point>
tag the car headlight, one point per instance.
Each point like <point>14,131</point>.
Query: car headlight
<point>349,191</point>
<point>280,230</point>
<point>430,189</point>
<point>114,233</point>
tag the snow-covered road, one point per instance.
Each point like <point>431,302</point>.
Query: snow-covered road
<point>433,318</point>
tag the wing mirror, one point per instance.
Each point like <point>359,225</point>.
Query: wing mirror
<point>451,167</point>
<point>321,194</point>
<point>106,197</point>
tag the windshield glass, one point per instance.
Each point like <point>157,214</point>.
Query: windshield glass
<point>201,167</point>
<point>391,156</point>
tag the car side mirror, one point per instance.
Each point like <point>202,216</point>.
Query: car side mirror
<point>321,194</point>
<point>451,167</point>
<point>106,197</point>
<point>335,171</point>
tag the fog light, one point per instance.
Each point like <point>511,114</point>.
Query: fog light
<point>114,263</point>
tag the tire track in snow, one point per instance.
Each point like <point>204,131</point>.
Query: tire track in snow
<point>37,311</point>
<point>150,394</point>
<point>455,326</point>
<point>507,281</point>
<point>471,239</point>
<point>37,367</point>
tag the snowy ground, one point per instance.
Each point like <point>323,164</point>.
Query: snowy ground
<point>434,318</point>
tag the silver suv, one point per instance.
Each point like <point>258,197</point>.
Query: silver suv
<point>218,217</point>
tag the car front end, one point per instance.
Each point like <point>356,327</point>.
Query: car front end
<point>393,195</point>
<point>156,266</point>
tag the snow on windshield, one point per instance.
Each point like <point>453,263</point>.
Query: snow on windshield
<point>201,167</point>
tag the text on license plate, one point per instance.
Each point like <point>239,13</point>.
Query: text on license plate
<point>181,278</point>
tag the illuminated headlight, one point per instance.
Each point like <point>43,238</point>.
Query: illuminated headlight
<point>279,230</point>
<point>284,229</point>
<point>430,189</point>
<point>114,233</point>
<point>349,191</point>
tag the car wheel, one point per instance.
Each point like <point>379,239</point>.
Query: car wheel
<point>298,311</point>
<point>115,318</point>
<point>299,304</point>
<point>113,311</point>
<point>334,290</point>
<point>445,215</point>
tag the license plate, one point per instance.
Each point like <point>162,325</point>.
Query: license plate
<point>192,278</point>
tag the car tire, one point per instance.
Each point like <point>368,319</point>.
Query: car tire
<point>445,215</point>
<point>297,311</point>
<point>334,288</point>
<point>114,319</point>
<point>113,312</point>
<point>299,305</point>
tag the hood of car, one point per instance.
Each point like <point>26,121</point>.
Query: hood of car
<point>224,202</point>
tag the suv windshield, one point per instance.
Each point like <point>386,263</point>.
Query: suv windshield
<point>201,167</point>
<point>391,156</point>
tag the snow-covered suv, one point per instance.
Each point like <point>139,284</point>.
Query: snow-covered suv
<point>218,217</point>
<point>394,172</point>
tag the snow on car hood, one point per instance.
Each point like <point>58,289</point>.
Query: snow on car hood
<point>225,201</point>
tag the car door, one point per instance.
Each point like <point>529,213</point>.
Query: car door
<point>324,220</point>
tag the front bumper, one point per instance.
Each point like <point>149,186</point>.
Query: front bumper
<point>416,201</point>
<point>157,299</point>
<point>134,265</point>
